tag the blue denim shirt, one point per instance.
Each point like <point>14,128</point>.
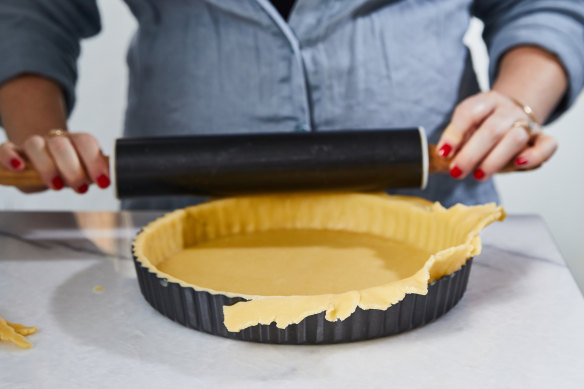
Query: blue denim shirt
<point>228,66</point>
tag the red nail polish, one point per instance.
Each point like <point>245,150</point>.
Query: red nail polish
<point>478,174</point>
<point>445,150</point>
<point>58,183</point>
<point>521,161</point>
<point>83,188</point>
<point>103,181</point>
<point>455,172</point>
<point>15,163</point>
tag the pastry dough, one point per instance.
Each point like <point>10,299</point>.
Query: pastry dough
<point>294,255</point>
<point>295,262</point>
<point>15,333</point>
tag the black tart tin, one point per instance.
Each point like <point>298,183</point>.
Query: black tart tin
<point>203,311</point>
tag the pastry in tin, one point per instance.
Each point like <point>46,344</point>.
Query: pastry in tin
<point>277,260</point>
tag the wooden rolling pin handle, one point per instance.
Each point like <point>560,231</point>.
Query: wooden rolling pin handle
<point>25,178</point>
<point>442,165</point>
<point>437,163</point>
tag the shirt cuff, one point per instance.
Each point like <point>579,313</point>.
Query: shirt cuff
<point>567,46</point>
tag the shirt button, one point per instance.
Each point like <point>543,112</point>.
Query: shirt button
<point>302,127</point>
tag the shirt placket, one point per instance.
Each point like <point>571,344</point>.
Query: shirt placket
<point>300,84</point>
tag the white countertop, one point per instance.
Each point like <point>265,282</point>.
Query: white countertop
<point>520,323</point>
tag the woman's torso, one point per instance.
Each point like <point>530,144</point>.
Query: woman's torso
<point>228,66</point>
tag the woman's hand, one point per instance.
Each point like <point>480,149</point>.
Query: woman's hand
<point>30,106</point>
<point>68,159</point>
<point>484,137</point>
<point>486,134</point>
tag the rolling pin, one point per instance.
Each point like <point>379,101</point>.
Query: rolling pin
<point>220,165</point>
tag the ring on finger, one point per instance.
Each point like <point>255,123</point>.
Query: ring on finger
<point>531,127</point>
<point>56,132</point>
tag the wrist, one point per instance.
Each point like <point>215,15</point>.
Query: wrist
<point>31,105</point>
<point>534,77</point>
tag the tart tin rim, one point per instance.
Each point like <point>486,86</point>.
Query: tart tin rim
<point>203,311</point>
<point>165,277</point>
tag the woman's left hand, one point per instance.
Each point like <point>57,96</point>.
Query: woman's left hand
<point>488,133</point>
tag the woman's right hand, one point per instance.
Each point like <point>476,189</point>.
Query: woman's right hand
<point>30,105</point>
<point>69,159</point>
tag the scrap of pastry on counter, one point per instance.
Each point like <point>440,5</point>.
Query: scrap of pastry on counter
<point>15,333</point>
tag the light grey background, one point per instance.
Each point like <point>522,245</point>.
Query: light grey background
<point>554,191</point>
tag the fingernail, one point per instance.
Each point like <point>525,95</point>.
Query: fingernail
<point>15,163</point>
<point>455,172</point>
<point>520,161</point>
<point>58,183</point>
<point>445,150</point>
<point>82,188</point>
<point>478,174</point>
<point>103,181</point>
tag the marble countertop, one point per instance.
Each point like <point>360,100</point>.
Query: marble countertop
<point>520,323</point>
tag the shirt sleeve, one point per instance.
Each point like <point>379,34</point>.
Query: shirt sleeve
<point>43,37</point>
<point>556,26</point>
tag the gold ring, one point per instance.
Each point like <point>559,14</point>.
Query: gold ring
<point>56,132</point>
<point>528,125</point>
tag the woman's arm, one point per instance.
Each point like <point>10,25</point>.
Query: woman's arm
<point>38,73</point>
<point>536,49</point>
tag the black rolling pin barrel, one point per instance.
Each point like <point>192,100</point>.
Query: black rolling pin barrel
<point>220,165</point>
